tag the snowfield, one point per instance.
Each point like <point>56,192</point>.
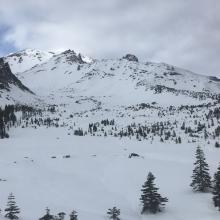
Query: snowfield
<point>99,175</point>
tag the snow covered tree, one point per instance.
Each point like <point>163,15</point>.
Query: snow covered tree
<point>216,189</point>
<point>73,215</point>
<point>152,201</point>
<point>114,213</point>
<point>201,180</point>
<point>47,216</point>
<point>217,145</point>
<point>61,215</point>
<point>12,209</point>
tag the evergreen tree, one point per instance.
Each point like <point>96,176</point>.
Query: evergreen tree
<point>61,215</point>
<point>73,215</point>
<point>217,145</point>
<point>152,201</point>
<point>12,209</point>
<point>47,216</point>
<point>114,213</point>
<point>216,189</point>
<point>201,180</point>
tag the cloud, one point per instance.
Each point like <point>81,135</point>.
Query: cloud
<point>183,33</point>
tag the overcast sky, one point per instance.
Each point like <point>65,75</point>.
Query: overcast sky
<point>185,33</point>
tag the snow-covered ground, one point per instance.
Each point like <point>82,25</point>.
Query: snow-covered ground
<point>98,175</point>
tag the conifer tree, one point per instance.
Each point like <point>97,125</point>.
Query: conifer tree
<point>47,216</point>
<point>61,215</point>
<point>217,145</point>
<point>201,180</point>
<point>216,189</point>
<point>73,215</point>
<point>152,201</point>
<point>114,213</point>
<point>12,209</point>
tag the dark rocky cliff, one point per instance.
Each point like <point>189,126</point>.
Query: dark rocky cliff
<point>7,78</point>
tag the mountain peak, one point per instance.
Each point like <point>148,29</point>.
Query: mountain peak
<point>26,59</point>
<point>72,57</point>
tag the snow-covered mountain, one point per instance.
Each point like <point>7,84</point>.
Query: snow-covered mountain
<point>50,71</point>
<point>89,116</point>
<point>28,59</point>
<point>123,81</point>
<point>123,88</point>
<point>25,59</point>
<point>112,85</point>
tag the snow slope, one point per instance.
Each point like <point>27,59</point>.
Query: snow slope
<point>116,79</point>
<point>17,96</point>
<point>26,59</point>
<point>98,175</point>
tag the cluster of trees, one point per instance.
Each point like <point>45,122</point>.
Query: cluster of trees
<point>200,126</point>
<point>112,213</point>
<point>7,119</point>
<point>204,126</point>
<point>40,121</point>
<point>30,116</point>
<point>201,179</point>
<point>60,216</point>
<point>162,130</point>
<point>108,122</point>
<point>196,95</point>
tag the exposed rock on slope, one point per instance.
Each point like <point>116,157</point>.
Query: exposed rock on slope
<point>11,88</point>
<point>130,57</point>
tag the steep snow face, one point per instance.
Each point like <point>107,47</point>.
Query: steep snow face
<point>119,81</point>
<point>26,59</point>
<point>34,62</point>
<point>54,74</point>
<point>108,77</point>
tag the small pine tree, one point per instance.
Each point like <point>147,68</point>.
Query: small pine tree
<point>114,213</point>
<point>47,216</point>
<point>12,209</point>
<point>216,189</point>
<point>73,215</point>
<point>61,215</point>
<point>152,201</point>
<point>201,180</point>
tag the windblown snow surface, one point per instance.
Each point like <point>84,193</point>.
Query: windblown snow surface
<point>98,175</point>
